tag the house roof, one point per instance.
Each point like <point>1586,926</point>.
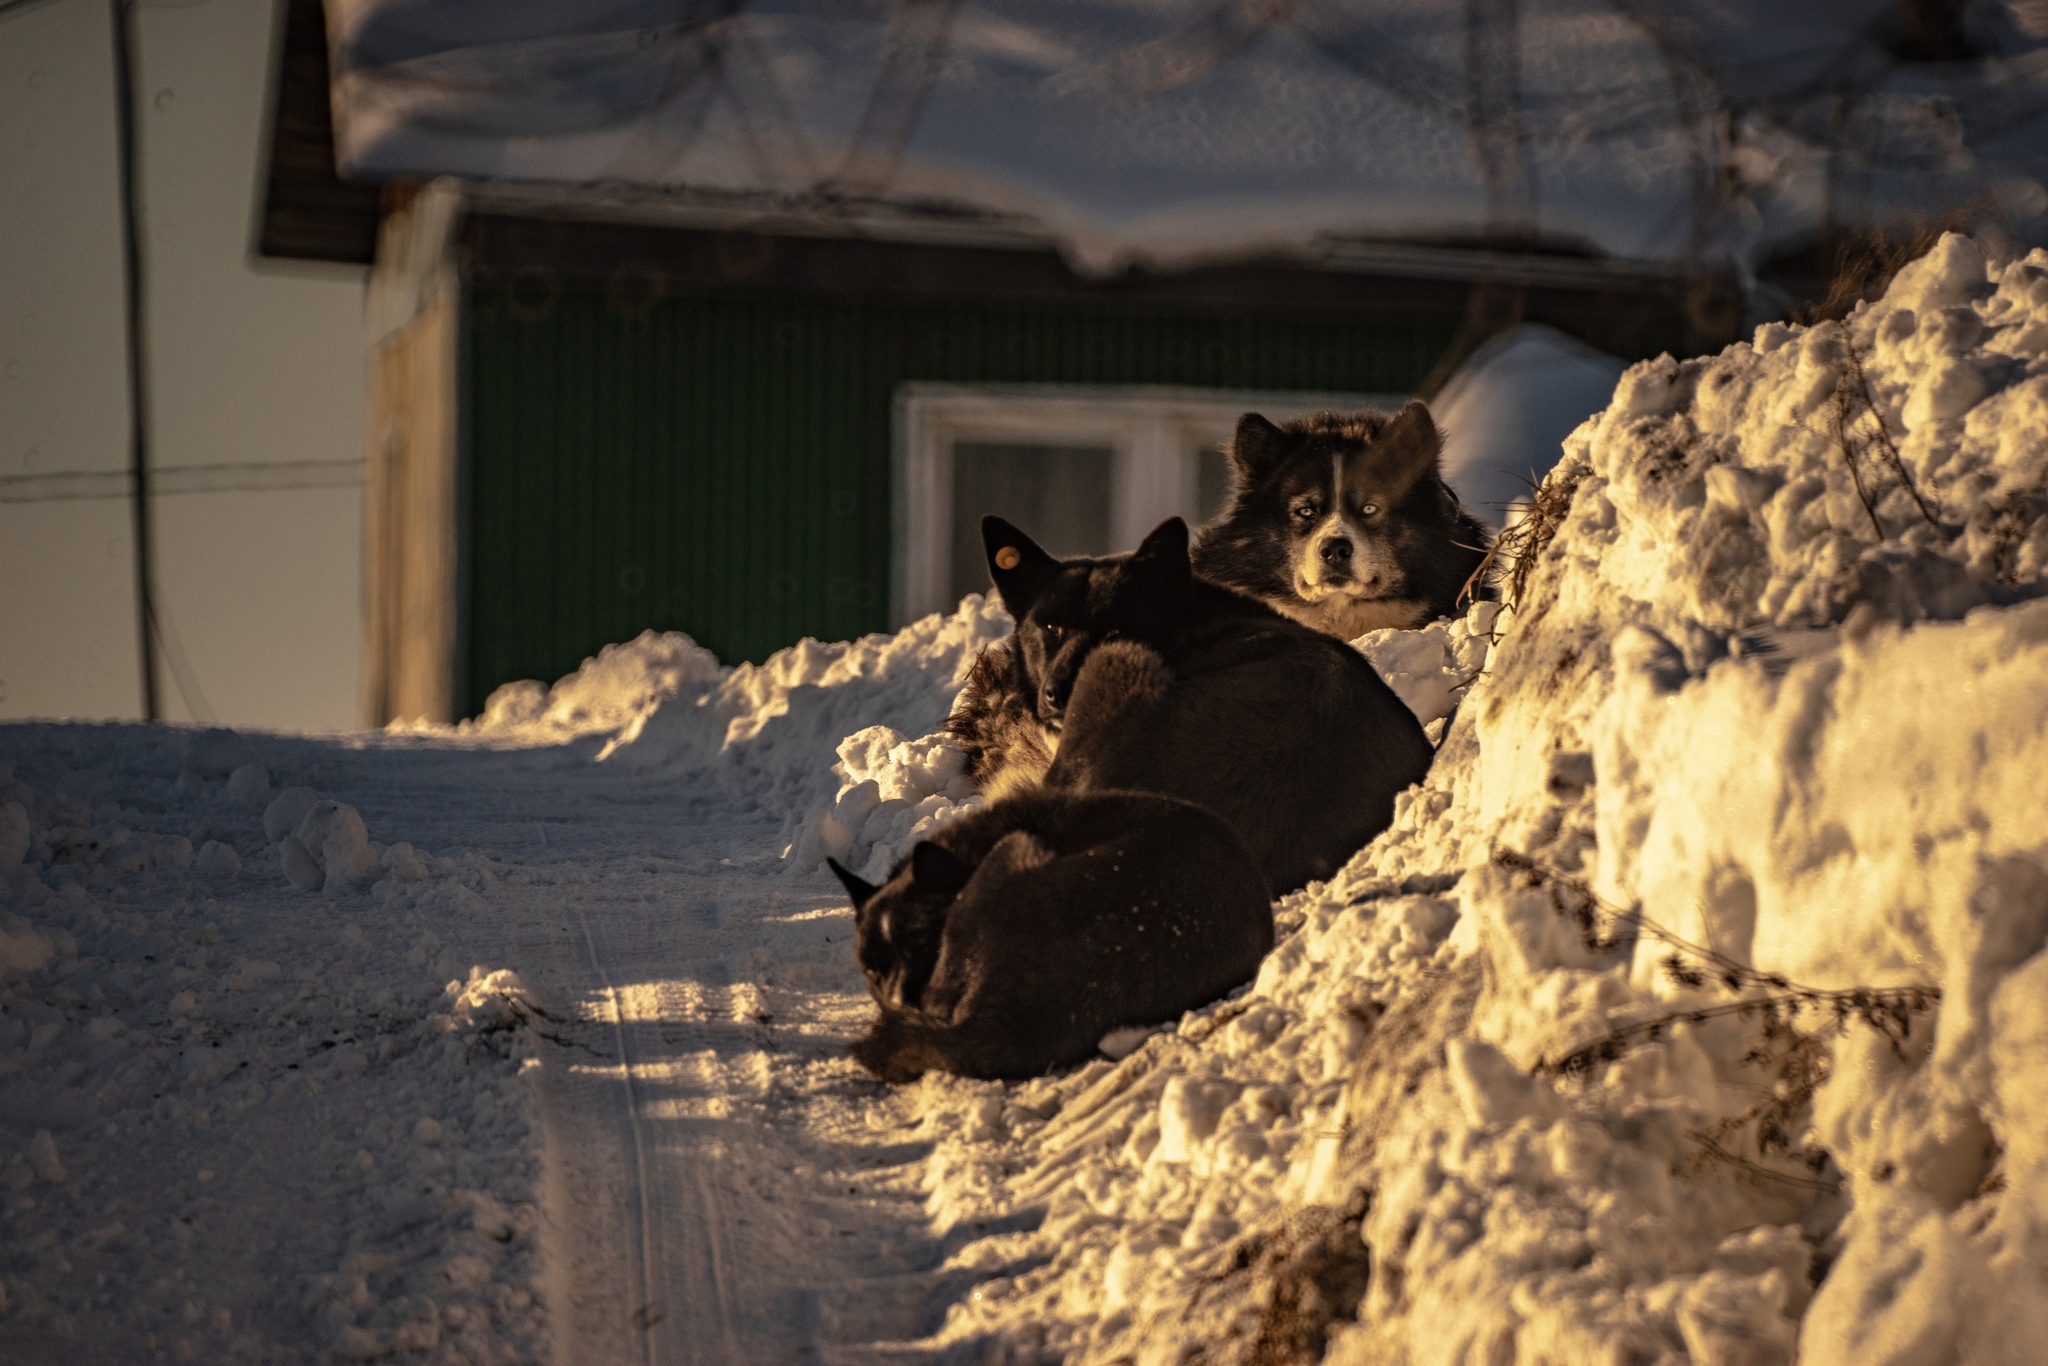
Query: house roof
<point>1171,131</point>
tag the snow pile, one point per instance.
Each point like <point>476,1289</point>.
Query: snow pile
<point>1693,1008</point>
<point>613,693</point>
<point>892,793</point>
<point>772,730</point>
<point>1431,667</point>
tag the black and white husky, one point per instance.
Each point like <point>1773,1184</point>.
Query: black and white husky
<point>1344,522</point>
<point>1341,523</point>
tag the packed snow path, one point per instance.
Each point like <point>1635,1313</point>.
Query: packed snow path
<point>719,1183</point>
<point>722,1184</point>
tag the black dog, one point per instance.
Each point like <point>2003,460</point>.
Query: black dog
<point>1013,940</point>
<point>1144,677</point>
<point>1344,523</point>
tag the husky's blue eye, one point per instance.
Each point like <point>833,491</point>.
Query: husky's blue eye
<point>1305,512</point>
<point>1368,510</point>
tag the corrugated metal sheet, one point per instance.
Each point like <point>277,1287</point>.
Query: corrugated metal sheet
<point>721,466</point>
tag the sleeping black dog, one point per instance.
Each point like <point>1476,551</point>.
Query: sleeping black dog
<point>1013,940</point>
<point>1199,693</point>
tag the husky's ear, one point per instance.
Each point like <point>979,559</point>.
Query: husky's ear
<point>860,891</point>
<point>935,868</point>
<point>1257,449</point>
<point>1162,558</point>
<point>1408,447</point>
<point>1021,570</point>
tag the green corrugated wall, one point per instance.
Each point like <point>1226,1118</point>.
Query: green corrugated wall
<point>721,466</point>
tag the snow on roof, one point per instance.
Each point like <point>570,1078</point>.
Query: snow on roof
<point>1171,130</point>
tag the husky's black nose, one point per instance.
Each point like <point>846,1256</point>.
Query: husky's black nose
<point>1337,550</point>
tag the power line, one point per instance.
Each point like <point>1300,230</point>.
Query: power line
<point>252,477</point>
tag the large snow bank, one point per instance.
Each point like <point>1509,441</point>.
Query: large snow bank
<point>1694,1008</point>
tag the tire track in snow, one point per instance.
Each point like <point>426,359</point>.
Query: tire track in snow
<point>769,1218</point>
<point>647,1270</point>
<point>720,1183</point>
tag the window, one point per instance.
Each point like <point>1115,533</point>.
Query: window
<point>1087,471</point>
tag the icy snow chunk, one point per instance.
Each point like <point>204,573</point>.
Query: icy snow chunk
<point>130,852</point>
<point>489,1000</point>
<point>614,692</point>
<point>42,1157</point>
<point>217,860</point>
<point>773,729</point>
<point>894,792</point>
<point>249,783</point>
<point>1491,1089</point>
<point>286,810</point>
<point>23,948</point>
<point>1189,1111</point>
<point>1119,1044</point>
<point>404,863</point>
<point>1950,274</point>
<point>214,754</point>
<point>329,849</point>
<point>1736,1320</point>
<point>14,834</point>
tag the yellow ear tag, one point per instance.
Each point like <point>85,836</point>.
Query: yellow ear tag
<point>1009,557</point>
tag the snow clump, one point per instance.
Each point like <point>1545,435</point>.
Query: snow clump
<point>613,693</point>
<point>893,792</point>
<point>772,732</point>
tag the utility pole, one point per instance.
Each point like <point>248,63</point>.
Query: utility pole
<point>138,375</point>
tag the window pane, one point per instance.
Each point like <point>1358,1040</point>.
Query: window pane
<point>1214,480</point>
<point>1059,494</point>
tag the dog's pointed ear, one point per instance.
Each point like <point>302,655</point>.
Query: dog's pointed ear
<point>1408,447</point>
<point>861,892</point>
<point>1020,568</point>
<point>1257,449</point>
<point>1162,558</point>
<point>935,868</point>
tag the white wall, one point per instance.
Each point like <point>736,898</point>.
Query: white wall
<point>251,362</point>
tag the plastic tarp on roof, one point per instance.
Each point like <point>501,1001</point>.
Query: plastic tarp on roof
<point>1176,129</point>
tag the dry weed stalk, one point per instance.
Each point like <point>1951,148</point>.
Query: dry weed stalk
<point>1512,557</point>
<point>1851,402</point>
<point>1796,1056</point>
<point>1867,260</point>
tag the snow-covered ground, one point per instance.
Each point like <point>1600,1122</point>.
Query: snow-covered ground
<point>1693,1010</point>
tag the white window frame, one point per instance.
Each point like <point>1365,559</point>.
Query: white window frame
<point>1156,435</point>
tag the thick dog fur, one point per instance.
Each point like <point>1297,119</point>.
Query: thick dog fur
<point>1344,523</point>
<point>1148,678</point>
<point>1012,941</point>
<point>1297,537</point>
<point>1007,748</point>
